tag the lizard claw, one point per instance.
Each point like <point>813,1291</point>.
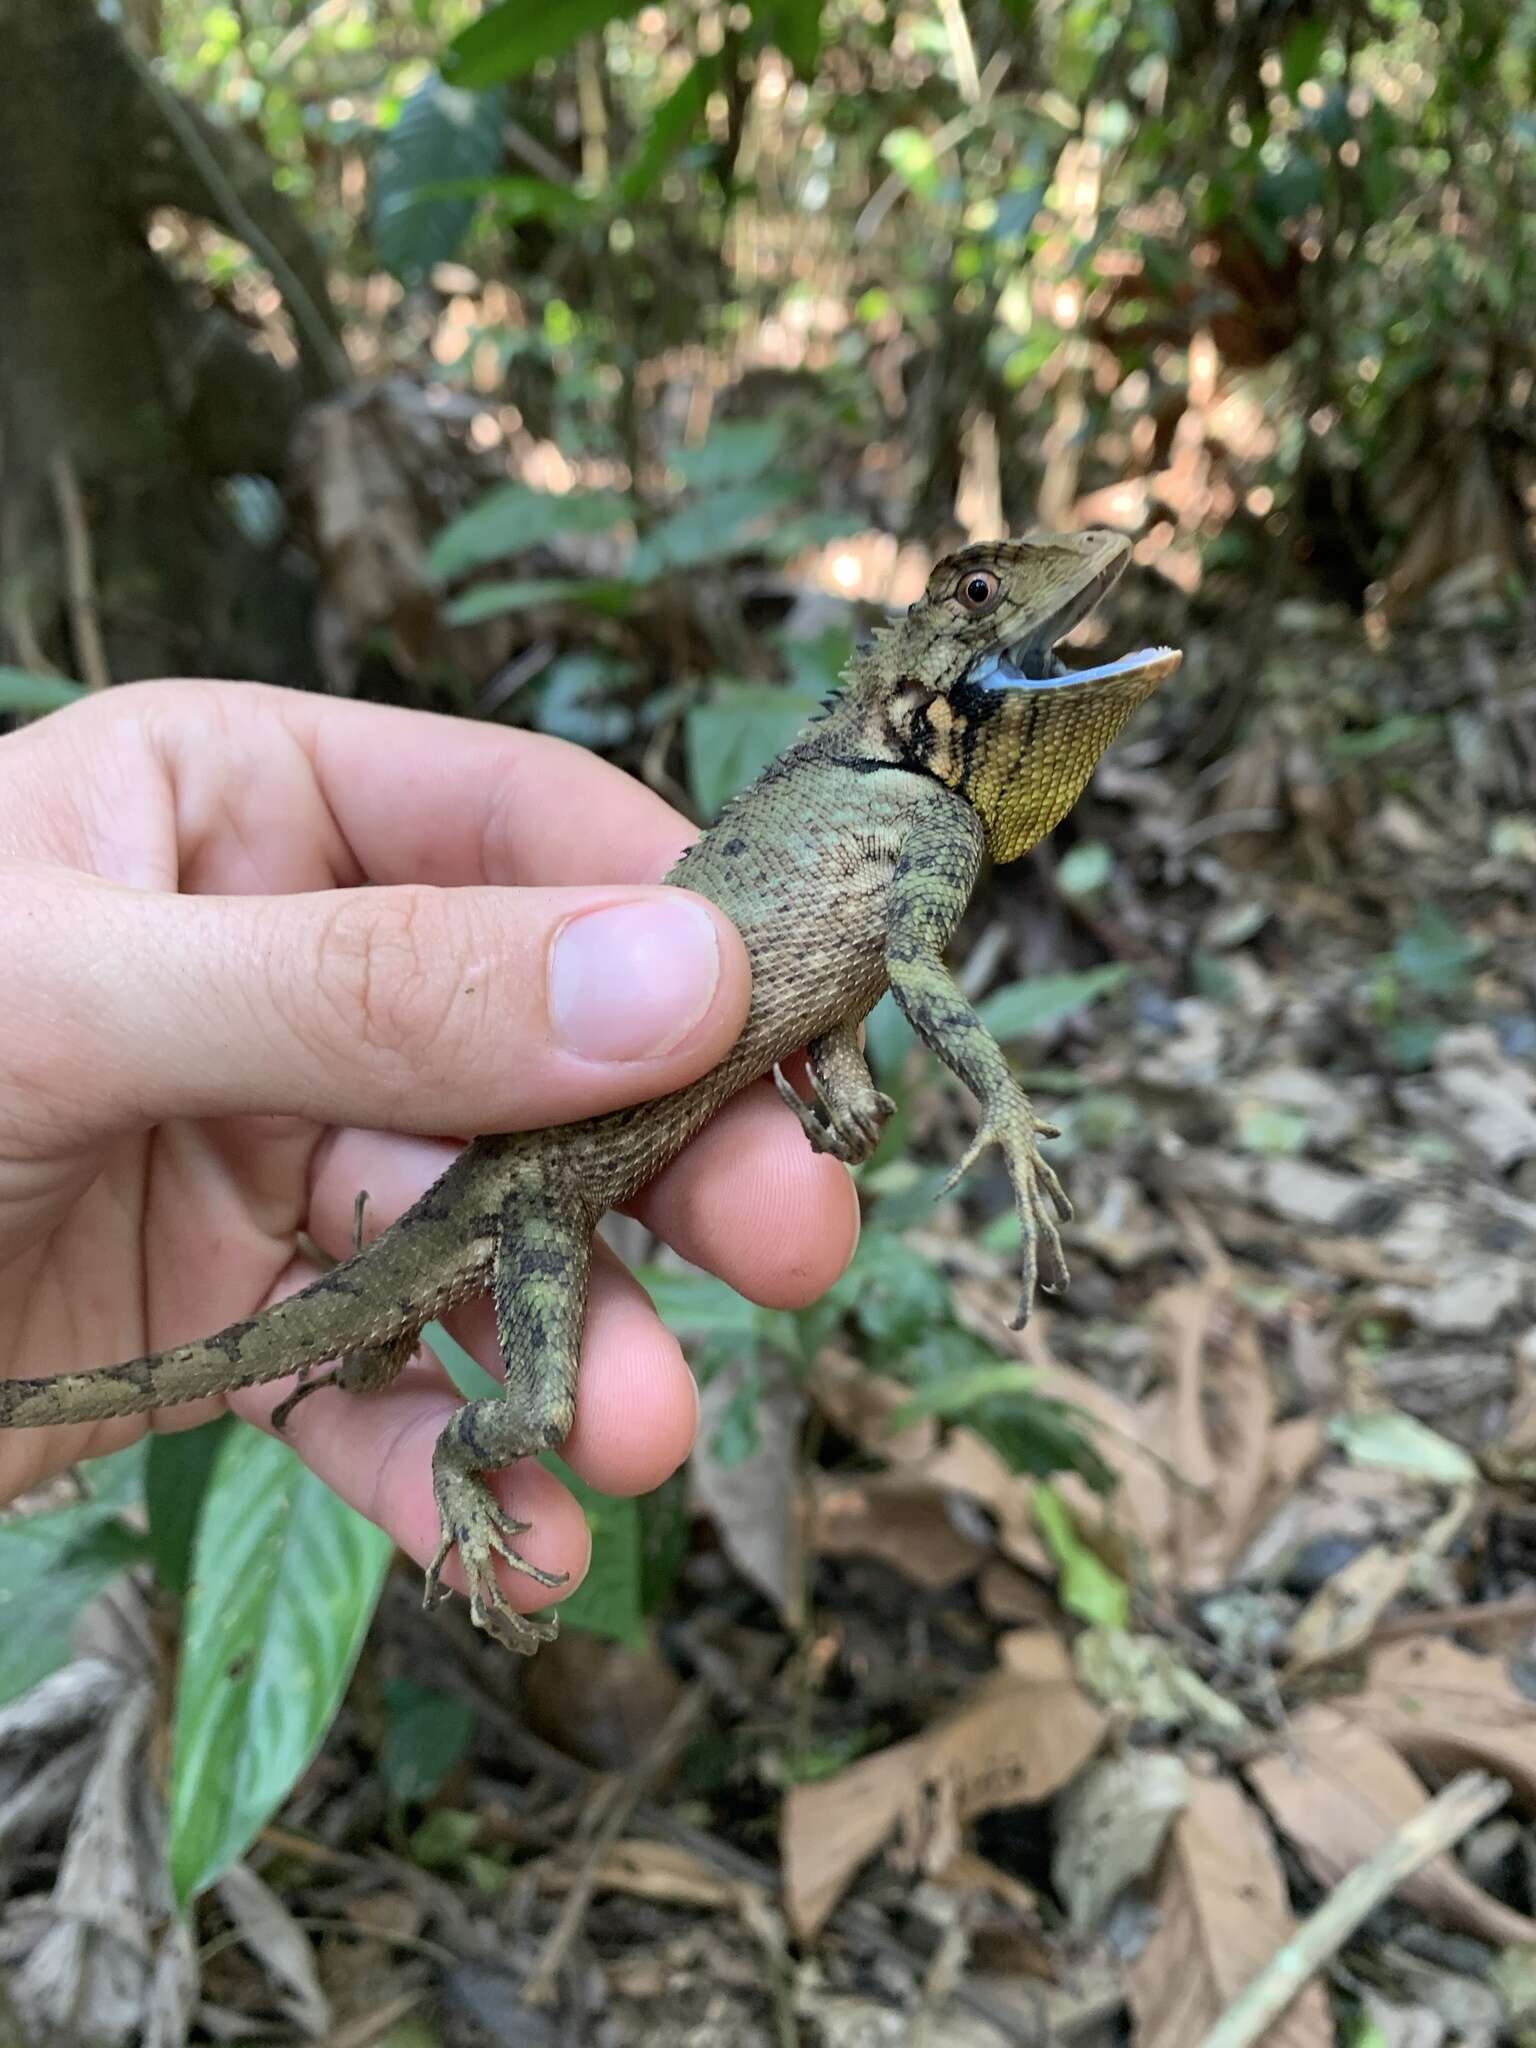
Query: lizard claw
<point>1037,1189</point>
<point>473,1520</point>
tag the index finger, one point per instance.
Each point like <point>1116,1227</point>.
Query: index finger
<point>421,797</point>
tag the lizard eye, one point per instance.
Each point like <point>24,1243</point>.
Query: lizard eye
<point>979,592</point>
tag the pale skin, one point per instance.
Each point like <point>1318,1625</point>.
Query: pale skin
<point>211,1038</point>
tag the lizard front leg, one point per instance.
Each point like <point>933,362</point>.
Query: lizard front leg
<point>539,1285</point>
<point>931,887</point>
<point>849,1111</point>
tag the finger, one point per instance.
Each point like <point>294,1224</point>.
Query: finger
<point>409,1008</point>
<point>414,797</point>
<point>753,1203</point>
<point>748,1199</point>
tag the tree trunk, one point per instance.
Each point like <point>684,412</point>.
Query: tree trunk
<point>124,402</point>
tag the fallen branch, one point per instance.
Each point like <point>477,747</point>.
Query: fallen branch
<point>616,1809</point>
<point>1465,1802</point>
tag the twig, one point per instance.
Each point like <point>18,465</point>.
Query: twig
<point>534,154</point>
<point>1476,1614</point>
<point>15,615</point>
<point>1465,1802</point>
<point>861,1926</point>
<point>962,49</point>
<point>373,2026</point>
<point>79,575</point>
<point>627,1794</point>
<point>236,215</point>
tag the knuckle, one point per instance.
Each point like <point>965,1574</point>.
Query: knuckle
<point>388,981</point>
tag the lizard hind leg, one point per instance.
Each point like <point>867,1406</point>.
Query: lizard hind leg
<point>849,1111</point>
<point>539,1287</point>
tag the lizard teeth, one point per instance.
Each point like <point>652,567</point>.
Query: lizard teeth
<point>1003,670</point>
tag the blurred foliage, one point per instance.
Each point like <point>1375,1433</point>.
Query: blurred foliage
<point>1051,213</point>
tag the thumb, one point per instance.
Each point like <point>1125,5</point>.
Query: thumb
<point>408,1008</point>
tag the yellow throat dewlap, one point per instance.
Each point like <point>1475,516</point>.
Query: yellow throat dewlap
<point>1030,752</point>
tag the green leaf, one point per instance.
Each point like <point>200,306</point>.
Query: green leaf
<point>609,595</point>
<point>176,1480</point>
<point>888,1038</point>
<point>519,196</point>
<point>1086,1586</point>
<point>1085,870</point>
<point>795,27</point>
<point>1435,954</point>
<point>1028,1009</point>
<point>468,1374</point>
<point>445,1838</point>
<point>443,134</point>
<point>1399,730</point>
<point>285,1577</point>
<point>1389,1438</point>
<point>1266,1127</point>
<point>608,1599</point>
<point>910,155</point>
<point>893,1294</point>
<point>666,1528</point>
<point>954,1393</point>
<point>573,700</point>
<point>510,39</point>
<point>1301,53</point>
<point>515,517</point>
<point>711,529</point>
<point>807,530</point>
<point>117,1480</point>
<point>51,1567</point>
<point>731,739</point>
<point>22,690</point>
<point>668,129</point>
<point>426,1733</point>
<point>736,452</point>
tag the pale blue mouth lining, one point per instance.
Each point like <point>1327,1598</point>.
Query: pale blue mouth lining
<point>1000,672</point>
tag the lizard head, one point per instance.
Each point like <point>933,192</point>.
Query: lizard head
<point>969,687</point>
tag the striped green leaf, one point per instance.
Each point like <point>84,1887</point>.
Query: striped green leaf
<point>285,1578</point>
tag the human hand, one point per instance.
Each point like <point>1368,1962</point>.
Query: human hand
<point>212,1037</point>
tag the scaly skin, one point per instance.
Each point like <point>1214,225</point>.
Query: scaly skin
<point>846,868</point>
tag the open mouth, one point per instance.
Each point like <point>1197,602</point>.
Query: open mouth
<point>1033,663</point>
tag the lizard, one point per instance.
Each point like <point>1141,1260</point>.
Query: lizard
<point>958,731</point>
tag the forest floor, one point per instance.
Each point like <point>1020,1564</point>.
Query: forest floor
<point>914,1750</point>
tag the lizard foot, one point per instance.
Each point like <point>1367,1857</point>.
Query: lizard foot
<point>1016,1130</point>
<point>848,1125</point>
<point>472,1518</point>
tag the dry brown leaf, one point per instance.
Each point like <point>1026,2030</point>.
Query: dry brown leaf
<point>1017,1741</point>
<point>1007,1594</point>
<point>1450,1710</point>
<point>860,1403</point>
<point>1141,1506</point>
<point>755,1502</point>
<point>968,1464</point>
<point>1212,1424</point>
<point>1222,1912</point>
<point>377,472</point>
<point>904,1522</point>
<point>1344,1611</point>
<point>968,1872</point>
<point>657,1870</point>
<point>1341,1792</point>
